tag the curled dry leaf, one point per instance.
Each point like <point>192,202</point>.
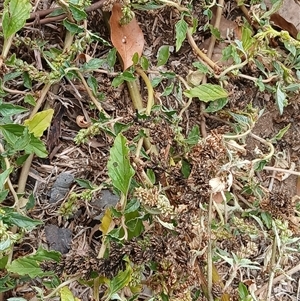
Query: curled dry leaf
<point>128,38</point>
<point>81,122</point>
<point>283,24</point>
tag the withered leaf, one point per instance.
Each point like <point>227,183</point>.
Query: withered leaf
<point>283,24</point>
<point>128,39</point>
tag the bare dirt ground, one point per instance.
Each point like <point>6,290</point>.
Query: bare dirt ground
<point>78,236</point>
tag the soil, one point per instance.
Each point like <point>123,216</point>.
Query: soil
<point>89,161</point>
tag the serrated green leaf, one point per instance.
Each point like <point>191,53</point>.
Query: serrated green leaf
<point>7,283</point>
<point>7,109</point>
<point>15,14</point>
<point>85,184</point>
<point>21,221</point>
<point>72,28</point>
<point>77,13</point>
<point>119,169</point>
<point>207,92</point>
<point>93,64</point>
<point>42,254</point>
<point>12,132</point>
<point>36,146</point>
<point>181,28</point>
<point>25,266</point>
<point>163,55</point>
<point>120,281</point>
<point>39,122</point>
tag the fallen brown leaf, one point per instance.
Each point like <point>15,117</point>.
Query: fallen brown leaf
<point>128,39</point>
<point>283,24</point>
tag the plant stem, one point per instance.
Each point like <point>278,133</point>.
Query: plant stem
<point>291,172</point>
<point>92,97</point>
<point>174,4</point>
<point>11,188</point>
<point>150,101</point>
<point>217,26</point>
<point>65,283</point>
<point>209,251</point>
<point>25,169</point>
<point>211,65</point>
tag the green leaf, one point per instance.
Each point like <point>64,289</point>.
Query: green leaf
<point>22,221</point>
<point>135,227</point>
<point>57,12</point>
<point>3,177</point>
<point>119,169</point>
<point>31,202</point>
<point>144,63</point>
<point>6,283</point>
<point>120,281</point>
<point>3,195</point>
<point>132,206</point>
<point>27,80</point>
<point>185,168</point>
<point>193,136</point>
<point>168,90</point>
<point>42,254</point>
<point>15,14</point>
<point>72,28</point>
<point>93,64</point>
<point>112,57</point>
<point>77,13</point>
<point>181,28</point>
<point>25,266</point>
<point>216,105</point>
<point>66,294</point>
<point>124,76</point>
<point>207,92</point>
<point>5,244</point>
<point>85,184</point>
<point>215,32</point>
<point>29,99</point>
<point>151,176</point>
<point>163,55</point>
<point>281,100</point>
<point>36,146</point>
<point>12,132</point>
<point>39,122</point>
<point>279,135</point>
<point>243,291</point>
<point>7,109</point>
<point>92,82</point>
<point>135,58</point>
